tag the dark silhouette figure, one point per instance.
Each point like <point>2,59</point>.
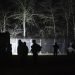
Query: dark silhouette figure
<point>24,53</point>
<point>73,44</point>
<point>24,49</point>
<point>20,45</point>
<point>56,47</point>
<point>35,48</point>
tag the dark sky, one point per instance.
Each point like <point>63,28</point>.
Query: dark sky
<point>11,4</point>
<point>8,3</point>
<point>4,4</point>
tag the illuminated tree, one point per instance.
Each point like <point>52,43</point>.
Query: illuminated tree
<point>25,12</point>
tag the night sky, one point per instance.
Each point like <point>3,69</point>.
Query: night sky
<point>9,3</point>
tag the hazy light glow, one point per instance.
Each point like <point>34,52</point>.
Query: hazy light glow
<point>14,46</point>
<point>14,42</point>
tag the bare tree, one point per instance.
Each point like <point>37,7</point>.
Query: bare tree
<point>24,12</point>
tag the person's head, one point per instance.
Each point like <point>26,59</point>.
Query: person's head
<point>55,43</point>
<point>24,43</point>
<point>19,41</point>
<point>33,41</point>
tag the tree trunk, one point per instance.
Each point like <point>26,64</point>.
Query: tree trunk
<point>24,24</point>
<point>67,32</point>
<point>66,22</point>
<point>4,28</point>
<point>74,27</point>
<point>54,25</point>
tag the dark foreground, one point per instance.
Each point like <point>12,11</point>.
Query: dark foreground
<point>46,65</point>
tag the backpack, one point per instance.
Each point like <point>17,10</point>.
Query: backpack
<point>38,48</point>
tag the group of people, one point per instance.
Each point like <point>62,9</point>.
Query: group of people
<point>36,48</point>
<point>6,47</point>
<point>23,49</point>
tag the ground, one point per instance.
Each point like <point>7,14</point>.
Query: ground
<point>46,65</point>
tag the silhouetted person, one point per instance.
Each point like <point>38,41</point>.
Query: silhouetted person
<point>73,44</point>
<point>24,53</point>
<point>35,48</point>
<point>24,49</point>
<point>56,47</point>
<point>20,46</point>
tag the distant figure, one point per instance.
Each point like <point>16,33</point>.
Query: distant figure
<point>24,49</point>
<point>35,48</point>
<point>70,49</point>
<point>20,44</point>
<point>56,47</point>
<point>73,44</point>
